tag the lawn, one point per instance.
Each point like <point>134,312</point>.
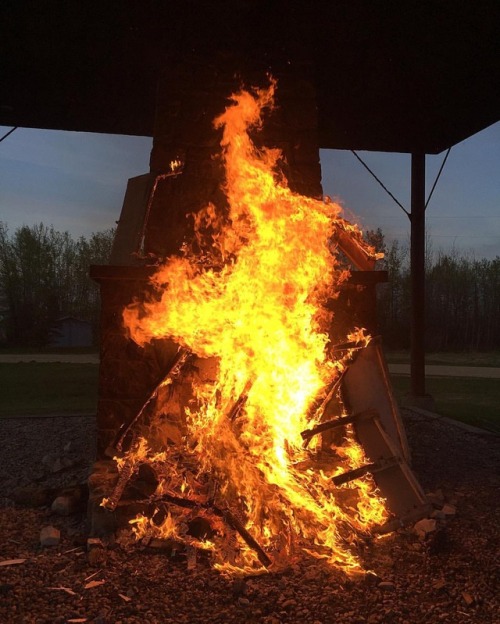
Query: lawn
<point>473,401</point>
<point>42,388</point>
<point>462,358</point>
<point>57,350</point>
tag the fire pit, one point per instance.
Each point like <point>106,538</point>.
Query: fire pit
<point>248,412</point>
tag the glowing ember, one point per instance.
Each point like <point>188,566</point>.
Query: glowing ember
<point>253,296</point>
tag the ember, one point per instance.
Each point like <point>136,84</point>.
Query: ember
<point>232,431</point>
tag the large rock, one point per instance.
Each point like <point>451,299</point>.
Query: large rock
<point>65,505</point>
<point>50,536</point>
<point>424,527</point>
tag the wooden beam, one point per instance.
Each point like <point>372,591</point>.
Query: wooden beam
<point>417,328</point>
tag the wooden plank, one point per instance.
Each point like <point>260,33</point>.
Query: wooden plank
<point>333,424</point>
<point>353,248</point>
<point>366,386</point>
<point>396,481</point>
<point>127,241</point>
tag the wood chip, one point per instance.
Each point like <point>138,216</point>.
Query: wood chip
<point>125,597</point>
<point>75,620</point>
<point>468,599</point>
<point>9,562</point>
<point>64,589</point>
<point>93,584</point>
<point>439,584</point>
<point>72,550</point>
<point>92,575</point>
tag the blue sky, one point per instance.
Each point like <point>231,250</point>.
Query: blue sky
<point>464,211</point>
<point>76,182</point>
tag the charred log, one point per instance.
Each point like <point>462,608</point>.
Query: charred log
<point>182,358</point>
<point>228,516</point>
<point>332,424</point>
<point>239,404</point>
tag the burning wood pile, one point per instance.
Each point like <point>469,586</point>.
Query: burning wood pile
<point>259,443</point>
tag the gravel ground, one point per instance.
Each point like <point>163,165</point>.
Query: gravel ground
<point>452,576</point>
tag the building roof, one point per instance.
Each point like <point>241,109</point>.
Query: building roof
<point>405,77</point>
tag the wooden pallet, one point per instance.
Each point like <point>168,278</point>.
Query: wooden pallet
<point>390,471</point>
<point>366,386</point>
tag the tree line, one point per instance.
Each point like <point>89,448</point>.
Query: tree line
<point>462,298</point>
<point>44,276</point>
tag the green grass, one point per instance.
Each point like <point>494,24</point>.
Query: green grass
<point>58,350</point>
<point>473,401</point>
<point>43,388</point>
<point>463,358</point>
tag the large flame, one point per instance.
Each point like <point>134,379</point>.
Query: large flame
<point>253,296</point>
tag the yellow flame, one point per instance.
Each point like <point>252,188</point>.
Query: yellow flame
<point>143,526</point>
<point>260,310</point>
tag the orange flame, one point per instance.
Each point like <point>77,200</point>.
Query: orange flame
<point>255,300</point>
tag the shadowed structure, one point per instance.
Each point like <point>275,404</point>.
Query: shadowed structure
<point>405,77</point>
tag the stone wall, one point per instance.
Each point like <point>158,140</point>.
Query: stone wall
<point>128,372</point>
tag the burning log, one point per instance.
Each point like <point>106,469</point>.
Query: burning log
<point>321,403</point>
<point>236,408</point>
<point>235,524</point>
<point>353,246</point>
<point>181,359</point>
<point>381,464</point>
<point>131,464</point>
<point>126,473</point>
<point>227,515</point>
<point>350,345</point>
<point>332,424</point>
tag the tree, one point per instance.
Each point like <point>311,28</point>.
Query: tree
<point>95,250</point>
<point>44,275</point>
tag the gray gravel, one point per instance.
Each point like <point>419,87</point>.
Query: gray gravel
<point>452,577</point>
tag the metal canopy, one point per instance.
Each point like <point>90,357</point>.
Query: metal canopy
<point>405,77</point>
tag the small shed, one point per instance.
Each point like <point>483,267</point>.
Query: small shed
<point>69,331</point>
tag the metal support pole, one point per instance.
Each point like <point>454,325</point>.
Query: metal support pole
<point>417,331</point>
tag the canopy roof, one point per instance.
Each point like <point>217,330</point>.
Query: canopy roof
<point>405,77</point>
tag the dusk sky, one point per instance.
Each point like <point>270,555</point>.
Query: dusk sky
<point>76,182</point>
